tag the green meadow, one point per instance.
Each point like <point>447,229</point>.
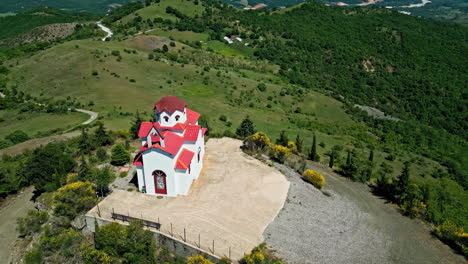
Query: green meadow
<point>38,124</point>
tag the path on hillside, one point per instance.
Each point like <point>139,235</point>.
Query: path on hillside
<point>105,29</point>
<point>37,142</point>
<point>350,226</point>
<point>15,206</point>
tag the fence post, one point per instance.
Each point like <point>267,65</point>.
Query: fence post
<point>185,238</point>
<point>113,213</point>
<point>172,233</point>
<point>229,252</point>
<point>98,210</point>
<point>213,246</point>
<point>199,244</point>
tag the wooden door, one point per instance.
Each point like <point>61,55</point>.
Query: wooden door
<point>160,182</point>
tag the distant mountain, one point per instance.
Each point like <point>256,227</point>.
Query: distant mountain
<point>445,10</point>
<point>99,7</point>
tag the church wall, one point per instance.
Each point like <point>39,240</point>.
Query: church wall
<point>156,159</point>
<point>141,181</point>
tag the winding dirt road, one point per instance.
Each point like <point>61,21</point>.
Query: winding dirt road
<point>37,142</point>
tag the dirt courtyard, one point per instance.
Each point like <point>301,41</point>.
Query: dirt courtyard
<point>232,202</point>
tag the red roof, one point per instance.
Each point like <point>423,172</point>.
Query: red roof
<point>192,116</point>
<point>185,157</point>
<point>191,132</point>
<point>170,104</point>
<point>204,131</point>
<point>138,161</point>
<point>145,128</point>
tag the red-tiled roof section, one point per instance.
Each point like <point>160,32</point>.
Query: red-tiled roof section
<point>145,128</point>
<point>191,132</point>
<point>172,143</point>
<point>185,157</point>
<point>170,103</point>
<point>138,161</point>
<point>192,116</point>
<point>204,131</point>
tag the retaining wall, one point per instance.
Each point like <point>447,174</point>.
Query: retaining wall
<point>177,246</point>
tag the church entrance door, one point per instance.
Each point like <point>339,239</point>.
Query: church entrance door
<point>160,182</point>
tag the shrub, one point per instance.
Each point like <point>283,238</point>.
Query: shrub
<point>101,154</point>
<point>17,137</point>
<point>316,178</point>
<point>223,118</point>
<point>280,153</point>
<point>31,223</point>
<point>73,199</point>
<point>119,155</point>
<point>261,87</point>
<point>292,147</point>
<point>452,233</point>
<point>198,259</point>
<point>257,141</point>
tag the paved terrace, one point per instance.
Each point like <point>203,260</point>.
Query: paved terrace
<point>232,202</point>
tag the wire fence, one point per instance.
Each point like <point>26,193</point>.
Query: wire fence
<point>209,247</point>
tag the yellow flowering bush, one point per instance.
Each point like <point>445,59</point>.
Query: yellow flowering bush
<point>198,259</point>
<point>280,153</point>
<point>314,177</point>
<point>257,141</point>
<point>292,147</point>
<point>73,199</point>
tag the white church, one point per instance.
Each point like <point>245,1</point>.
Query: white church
<point>171,155</point>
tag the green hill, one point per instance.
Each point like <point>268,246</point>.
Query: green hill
<point>314,72</point>
<point>12,26</point>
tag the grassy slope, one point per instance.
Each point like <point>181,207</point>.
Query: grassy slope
<point>11,26</point>
<point>65,70</point>
<point>33,123</point>
<point>159,10</point>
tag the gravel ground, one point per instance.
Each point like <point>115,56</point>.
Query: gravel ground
<point>350,226</point>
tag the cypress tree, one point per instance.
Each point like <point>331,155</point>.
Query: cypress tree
<point>332,160</point>
<point>84,145</point>
<point>283,139</point>
<point>348,158</point>
<point>313,151</point>
<point>135,127</point>
<point>84,171</point>
<point>402,183</point>
<point>299,142</point>
<point>371,155</point>
<point>246,128</point>
<point>101,136</point>
<point>119,155</point>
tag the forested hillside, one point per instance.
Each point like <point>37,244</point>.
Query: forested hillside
<point>11,26</point>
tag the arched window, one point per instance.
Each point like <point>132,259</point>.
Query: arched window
<point>177,117</point>
<point>199,151</point>
<point>166,118</point>
<point>160,182</point>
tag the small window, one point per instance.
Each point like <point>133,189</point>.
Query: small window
<point>199,151</point>
<point>166,118</point>
<point>177,117</point>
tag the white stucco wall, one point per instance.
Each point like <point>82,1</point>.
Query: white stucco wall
<point>159,117</point>
<point>155,159</point>
<point>140,176</point>
<point>178,182</point>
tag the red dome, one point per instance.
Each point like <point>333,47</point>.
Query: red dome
<point>170,103</point>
